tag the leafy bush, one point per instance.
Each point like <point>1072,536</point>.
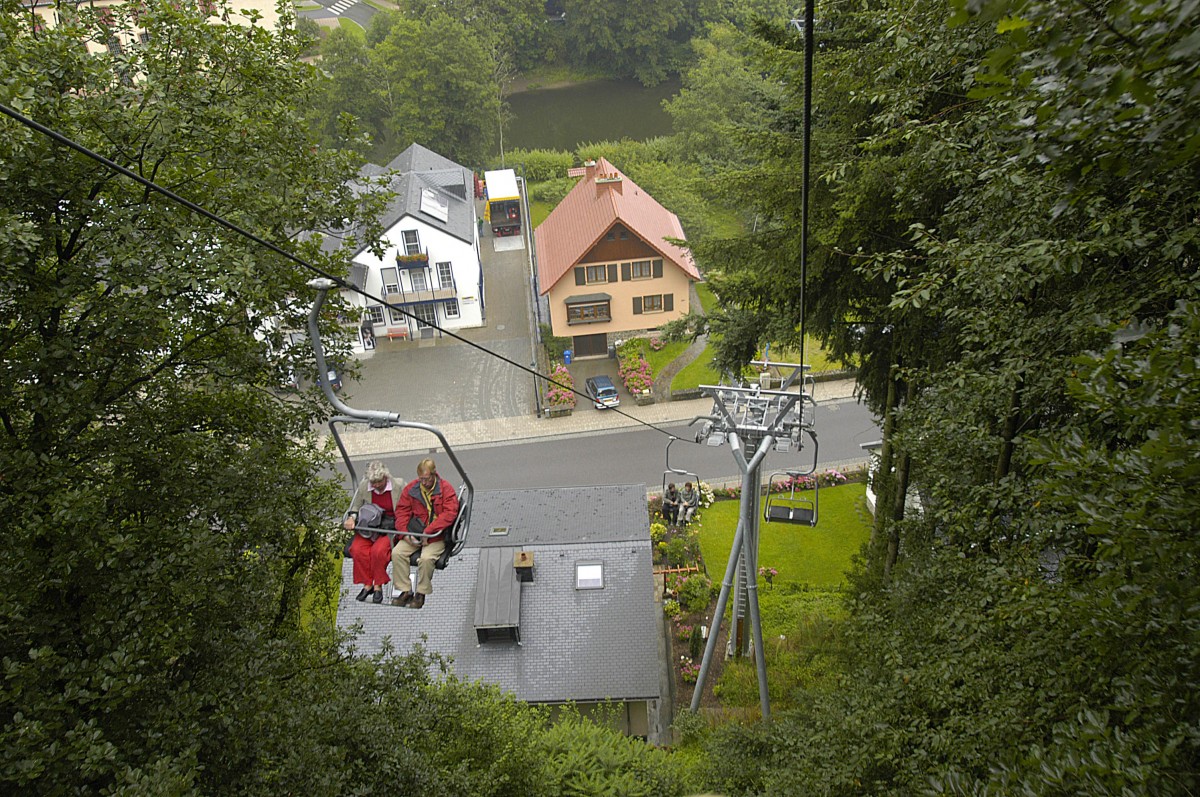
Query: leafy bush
<point>542,165</point>
<point>554,345</point>
<point>561,395</point>
<point>551,191</point>
<point>695,592</point>
<point>634,369</point>
<point>658,533</point>
<point>582,757</point>
<point>671,608</point>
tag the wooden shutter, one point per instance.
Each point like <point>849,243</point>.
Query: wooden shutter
<point>637,305</point>
<point>657,266</point>
<point>612,272</point>
<point>668,301</point>
<point>625,276</point>
<point>580,276</point>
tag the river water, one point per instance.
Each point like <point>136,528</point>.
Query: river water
<point>599,110</point>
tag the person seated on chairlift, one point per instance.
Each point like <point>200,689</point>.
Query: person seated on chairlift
<point>670,505</point>
<point>427,505</point>
<point>689,500</point>
<point>374,503</point>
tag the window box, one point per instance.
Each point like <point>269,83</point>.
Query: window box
<point>419,260</point>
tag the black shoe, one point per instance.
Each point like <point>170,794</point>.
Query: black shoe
<point>378,597</point>
<point>362,595</point>
<point>417,601</point>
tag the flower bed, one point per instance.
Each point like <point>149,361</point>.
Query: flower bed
<point>560,397</point>
<point>634,370</point>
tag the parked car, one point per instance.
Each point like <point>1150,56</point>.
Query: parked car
<point>603,392</point>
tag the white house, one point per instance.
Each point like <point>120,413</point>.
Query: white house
<point>430,272</point>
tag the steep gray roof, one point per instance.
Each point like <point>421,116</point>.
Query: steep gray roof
<point>414,169</point>
<point>581,645</point>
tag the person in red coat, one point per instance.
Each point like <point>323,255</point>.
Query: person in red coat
<point>370,551</point>
<point>426,506</point>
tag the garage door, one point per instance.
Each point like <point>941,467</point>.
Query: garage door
<point>590,345</point>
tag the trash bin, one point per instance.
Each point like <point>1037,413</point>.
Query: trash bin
<point>612,352</point>
<point>566,357</point>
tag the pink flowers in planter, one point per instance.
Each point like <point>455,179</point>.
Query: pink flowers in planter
<point>635,372</point>
<point>563,396</point>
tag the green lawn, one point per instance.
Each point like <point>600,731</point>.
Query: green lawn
<point>538,211</point>
<point>814,556</point>
<point>353,29</point>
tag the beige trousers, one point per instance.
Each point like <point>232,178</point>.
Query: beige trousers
<point>401,574</point>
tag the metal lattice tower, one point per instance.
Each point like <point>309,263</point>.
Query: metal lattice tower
<point>753,420</point>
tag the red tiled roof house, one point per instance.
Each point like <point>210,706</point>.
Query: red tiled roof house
<point>605,263</point>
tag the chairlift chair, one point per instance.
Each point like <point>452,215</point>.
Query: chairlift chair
<point>677,474</point>
<point>793,508</point>
<point>790,507</point>
<point>456,534</point>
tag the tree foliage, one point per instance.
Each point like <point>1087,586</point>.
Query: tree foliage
<point>426,79</point>
<point>1005,188</point>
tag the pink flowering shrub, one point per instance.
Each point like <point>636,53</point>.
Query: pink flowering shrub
<point>635,372</point>
<point>656,344</point>
<point>563,396</point>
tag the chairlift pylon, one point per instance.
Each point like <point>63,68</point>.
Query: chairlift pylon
<point>456,534</point>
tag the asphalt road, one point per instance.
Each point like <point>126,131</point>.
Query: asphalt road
<point>637,456</point>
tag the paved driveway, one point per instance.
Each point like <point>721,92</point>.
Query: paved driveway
<point>443,380</point>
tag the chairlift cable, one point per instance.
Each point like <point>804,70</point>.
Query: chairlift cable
<point>232,227</point>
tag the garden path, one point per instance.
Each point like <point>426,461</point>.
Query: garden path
<point>662,382</point>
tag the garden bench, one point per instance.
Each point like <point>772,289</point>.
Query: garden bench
<point>397,332</point>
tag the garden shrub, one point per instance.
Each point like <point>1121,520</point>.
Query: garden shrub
<point>562,394</point>
<point>634,370</point>
<point>580,756</point>
<point>554,345</point>
<point>695,593</point>
<point>658,533</point>
<point>541,165</point>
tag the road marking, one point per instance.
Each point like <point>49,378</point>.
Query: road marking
<point>341,6</point>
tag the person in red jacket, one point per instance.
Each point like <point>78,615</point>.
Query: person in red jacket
<point>427,506</point>
<point>370,550</point>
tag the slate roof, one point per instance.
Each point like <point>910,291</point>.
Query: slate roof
<point>580,645</point>
<point>414,169</point>
<point>590,209</point>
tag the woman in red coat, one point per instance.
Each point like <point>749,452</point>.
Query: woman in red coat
<point>371,551</point>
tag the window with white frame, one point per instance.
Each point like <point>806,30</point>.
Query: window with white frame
<point>445,275</point>
<point>391,281</point>
<point>397,316</point>
<point>419,282</point>
<point>451,308</point>
<point>375,314</point>
<point>596,274</point>
<point>412,242</point>
<point>426,315</point>
<point>589,575</point>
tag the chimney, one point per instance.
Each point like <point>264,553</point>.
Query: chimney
<point>608,181</point>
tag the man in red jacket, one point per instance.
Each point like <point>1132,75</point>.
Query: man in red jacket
<point>427,507</point>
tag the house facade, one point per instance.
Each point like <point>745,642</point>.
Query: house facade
<point>608,261</point>
<point>552,600</point>
<point>430,272</point>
